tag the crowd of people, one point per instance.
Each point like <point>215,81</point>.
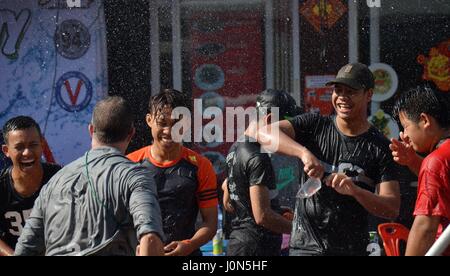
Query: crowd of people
<point>147,202</point>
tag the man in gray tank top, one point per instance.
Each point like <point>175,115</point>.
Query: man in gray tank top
<point>100,204</point>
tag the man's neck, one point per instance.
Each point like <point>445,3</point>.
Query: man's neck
<point>440,137</point>
<point>26,184</point>
<point>353,127</point>
<point>121,146</point>
<point>162,155</point>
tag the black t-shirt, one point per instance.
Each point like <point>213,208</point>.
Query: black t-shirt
<point>14,209</point>
<point>247,166</point>
<point>328,222</point>
<point>184,186</point>
<point>177,187</point>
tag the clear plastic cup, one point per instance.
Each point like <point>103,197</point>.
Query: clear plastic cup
<point>309,188</point>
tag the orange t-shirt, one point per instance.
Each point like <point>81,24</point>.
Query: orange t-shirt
<point>206,192</point>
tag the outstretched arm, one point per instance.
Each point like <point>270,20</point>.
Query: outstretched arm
<point>279,137</point>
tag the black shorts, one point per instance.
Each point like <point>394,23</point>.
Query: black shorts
<point>251,242</point>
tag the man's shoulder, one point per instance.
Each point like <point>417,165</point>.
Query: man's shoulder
<point>4,174</point>
<point>139,155</point>
<point>249,154</point>
<point>5,178</point>
<point>437,161</point>
<point>311,117</point>
<point>375,137</point>
<point>4,184</point>
<point>51,168</point>
<point>313,124</point>
<point>443,150</point>
<point>196,158</point>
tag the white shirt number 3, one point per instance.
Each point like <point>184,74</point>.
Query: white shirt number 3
<point>17,221</point>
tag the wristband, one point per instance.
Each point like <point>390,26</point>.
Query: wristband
<point>186,242</point>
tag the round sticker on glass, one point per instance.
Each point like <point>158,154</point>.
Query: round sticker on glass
<point>385,124</point>
<point>386,81</point>
<point>209,77</point>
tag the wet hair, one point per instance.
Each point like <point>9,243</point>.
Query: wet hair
<point>170,98</point>
<point>19,123</point>
<point>112,120</point>
<point>270,98</point>
<point>424,99</point>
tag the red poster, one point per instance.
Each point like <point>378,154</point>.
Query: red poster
<point>227,61</point>
<point>437,65</point>
<point>318,95</point>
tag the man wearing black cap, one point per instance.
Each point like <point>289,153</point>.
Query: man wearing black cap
<point>355,157</point>
<point>257,225</point>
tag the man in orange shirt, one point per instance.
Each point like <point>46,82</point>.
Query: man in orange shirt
<point>186,181</point>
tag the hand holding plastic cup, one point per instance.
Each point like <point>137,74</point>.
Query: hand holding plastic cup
<point>309,188</point>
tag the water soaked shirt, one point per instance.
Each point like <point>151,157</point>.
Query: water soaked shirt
<point>105,216</point>
<point>433,192</point>
<point>247,166</point>
<point>15,209</point>
<point>328,222</point>
<point>184,185</point>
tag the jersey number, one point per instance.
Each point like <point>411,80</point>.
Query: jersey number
<point>17,221</point>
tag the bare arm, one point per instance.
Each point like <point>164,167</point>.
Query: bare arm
<point>385,204</point>
<point>226,197</point>
<point>205,233</point>
<point>263,214</point>
<point>5,250</point>
<point>150,245</point>
<point>422,235</point>
<point>279,137</point>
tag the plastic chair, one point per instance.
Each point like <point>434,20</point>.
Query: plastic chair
<point>392,234</point>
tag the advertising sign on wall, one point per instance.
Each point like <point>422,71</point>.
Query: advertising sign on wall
<point>53,68</point>
<point>317,95</point>
<point>227,63</point>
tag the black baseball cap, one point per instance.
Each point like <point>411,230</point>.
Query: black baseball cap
<point>355,75</point>
<point>278,98</point>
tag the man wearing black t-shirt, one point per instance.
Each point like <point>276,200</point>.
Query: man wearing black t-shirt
<point>20,183</point>
<point>250,190</point>
<point>354,160</point>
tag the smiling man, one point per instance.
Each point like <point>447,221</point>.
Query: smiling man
<point>20,183</point>
<point>185,180</point>
<point>355,156</point>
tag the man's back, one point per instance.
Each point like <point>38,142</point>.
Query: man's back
<point>248,166</point>
<point>85,209</point>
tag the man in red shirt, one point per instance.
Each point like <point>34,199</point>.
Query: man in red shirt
<point>425,117</point>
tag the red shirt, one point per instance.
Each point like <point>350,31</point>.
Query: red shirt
<point>433,193</point>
